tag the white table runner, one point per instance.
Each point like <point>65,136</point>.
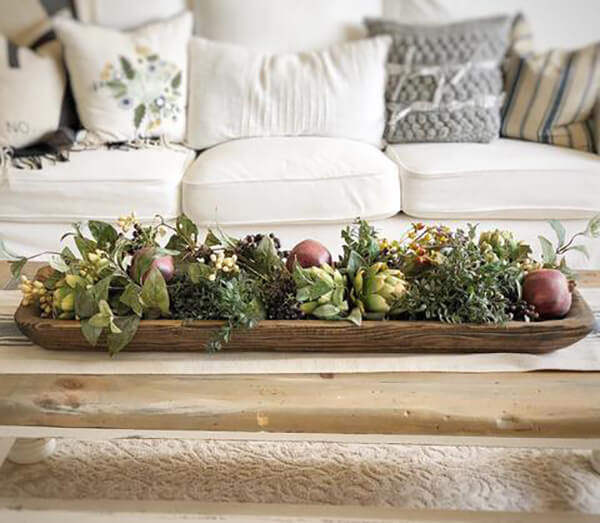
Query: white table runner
<point>19,356</point>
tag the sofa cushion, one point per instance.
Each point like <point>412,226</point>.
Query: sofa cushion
<point>282,25</point>
<point>503,179</point>
<point>96,184</point>
<point>236,92</point>
<point>290,180</point>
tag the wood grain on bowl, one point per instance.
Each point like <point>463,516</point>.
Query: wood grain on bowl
<point>330,336</point>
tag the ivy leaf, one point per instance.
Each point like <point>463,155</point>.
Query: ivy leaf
<point>138,115</point>
<point>90,333</point>
<point>128,326</point>
<point>560,231</point>
<point>16,267</point>
<point>548,252</point>
<point>58,264</point>
<point>176,82</point>
<point>101,288</point>
<point>154,293</point>
<point>198,272</point>
<point>266,255</point>
<point>85,245</point>
<point>131,298</point>
<point>104,316</point>
<point>67,255</point>
<point>85,303</point>
<point>127,69</point>
<point>187,227</point>
<point>104,234</point>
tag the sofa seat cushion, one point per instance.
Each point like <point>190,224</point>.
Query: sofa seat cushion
<point>96,184</point>
<point>503,179</point>
<point>290,180</point>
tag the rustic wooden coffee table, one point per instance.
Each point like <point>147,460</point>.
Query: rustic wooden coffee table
<point>541,409</point>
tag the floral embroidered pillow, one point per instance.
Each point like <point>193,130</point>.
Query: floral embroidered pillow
<point>129,85</point>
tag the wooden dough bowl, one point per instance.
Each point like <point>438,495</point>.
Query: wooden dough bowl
<point>330,336</point>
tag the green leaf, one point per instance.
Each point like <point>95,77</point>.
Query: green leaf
<point>187,228</point>
<point>86,305</point>
<point>198,272</point>
<point>127,69</point>
<point>219,237</point>
<point>138,115</point>
<point>104,234</point>
<point>152,58</point>
<point>355,317</point>
<point>581,248</point>
<point>355,262</point>
<point>548,252</point>
<point>101,288</point>
<point>58,264</point>
<point>128,326</point>
<point>90,333</point>
<point>266,256</point>
<point>84,245</point>
<point>593,228</point>
<point>67,255</point>
<point>131,297</point>
<point>560,231</point>
<point>104,317</point>
<point>154,293</point>
<point>16,267</point>
<point>6,254</point>
<point>176,82</point>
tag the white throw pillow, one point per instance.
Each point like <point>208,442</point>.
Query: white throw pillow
<point>129,85</point>
<point>236,92</point>
<point>32,88</point>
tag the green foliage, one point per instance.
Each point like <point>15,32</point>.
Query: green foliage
<point>233,300</point>
<point>361,246</point>
<point>553,256</point>
<point>465,288</point>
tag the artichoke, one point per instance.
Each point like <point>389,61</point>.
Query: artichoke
<point>376,289</point>
<point>64,296</point>
<point>500,245</point>
<point>321,291</point>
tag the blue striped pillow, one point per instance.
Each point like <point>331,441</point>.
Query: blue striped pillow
<point>550,97</point>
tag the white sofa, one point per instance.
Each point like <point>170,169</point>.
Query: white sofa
<point>311,187</point>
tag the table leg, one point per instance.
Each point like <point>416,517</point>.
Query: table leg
<point>596,460</point>
<point>5,445</point>
<point>31,450</point>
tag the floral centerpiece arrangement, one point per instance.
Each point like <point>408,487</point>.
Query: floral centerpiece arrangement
<point>123,275</point>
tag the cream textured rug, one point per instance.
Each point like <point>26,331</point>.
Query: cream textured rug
<point>461,478</point>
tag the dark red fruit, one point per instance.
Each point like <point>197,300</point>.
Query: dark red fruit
<point>149,258</point>
<point>308,253</point>
<point>548,290</point>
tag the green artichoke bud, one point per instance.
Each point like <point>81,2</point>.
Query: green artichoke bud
<point>500,245</point>
<point>64,302</point>
<point>321,290</point>
<point>376,289</point>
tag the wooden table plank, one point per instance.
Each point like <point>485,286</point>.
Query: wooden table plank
<point>540,405</point>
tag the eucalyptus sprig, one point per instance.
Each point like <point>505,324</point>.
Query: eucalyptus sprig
<point>554,256</point>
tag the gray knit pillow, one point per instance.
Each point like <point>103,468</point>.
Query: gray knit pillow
<point>445,82</point>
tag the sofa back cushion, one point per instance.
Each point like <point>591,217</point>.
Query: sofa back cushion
<point>550,97</point>
<point>236,92</point>
<point>127,14</point>
<point>445,81</point>
<point>283,25</point>
<point>129,85</point>
<point>555,23</point>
